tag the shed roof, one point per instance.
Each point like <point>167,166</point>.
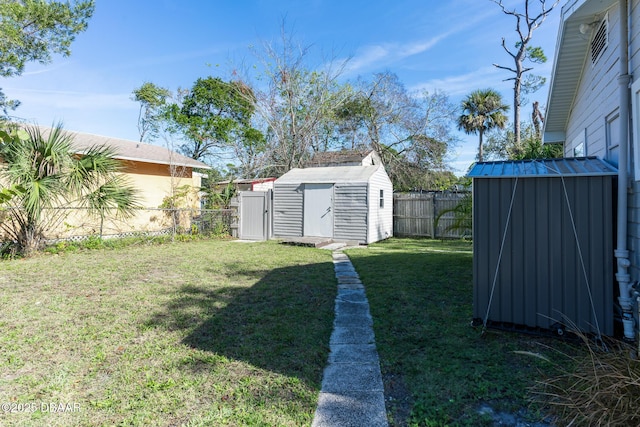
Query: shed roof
<point>329,174</point>
<point>578,166</point>
<point>335,158</point>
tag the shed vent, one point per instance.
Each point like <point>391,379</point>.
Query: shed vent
<point>600,41</point>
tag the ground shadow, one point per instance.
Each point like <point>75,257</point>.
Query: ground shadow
<point>282,323</point>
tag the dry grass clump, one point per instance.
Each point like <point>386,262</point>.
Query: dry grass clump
<point>599,387</point>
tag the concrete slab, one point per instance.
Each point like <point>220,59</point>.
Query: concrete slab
<point>352,391</point>
<point>353,310</point>
<point>347,321</point>
<point>353,409</point>
<point>350,286</point>
<point>307,241</point>
<point>347,275</point>
<point>352,335</point>
<point>333,246</point>
<point>344,267</point>
<point>353,353</point>
<point>345,280</point>
<point>347,269</point>
<point>345,377</point>
<point>355,295</point>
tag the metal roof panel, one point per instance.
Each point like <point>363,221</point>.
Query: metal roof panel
<point>329,174</point>
<point>576,166</point>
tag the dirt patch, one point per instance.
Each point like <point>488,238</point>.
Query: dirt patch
<point>397,399</point>
<point>505,419</point>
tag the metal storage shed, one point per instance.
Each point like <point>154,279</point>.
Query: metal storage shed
<point>349,203</point>
<point>543,243</point>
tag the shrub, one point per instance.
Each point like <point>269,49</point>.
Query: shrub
<point>602,387</point>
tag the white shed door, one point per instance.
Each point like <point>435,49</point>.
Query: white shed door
<point>318,210</point>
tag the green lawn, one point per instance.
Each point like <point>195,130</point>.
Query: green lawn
<point>438,370</point>
<point>227,333</point>
<point>198,333</point>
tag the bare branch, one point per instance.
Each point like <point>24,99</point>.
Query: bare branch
<point>505,68</point>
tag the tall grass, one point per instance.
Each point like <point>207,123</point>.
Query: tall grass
<point>599,387</point>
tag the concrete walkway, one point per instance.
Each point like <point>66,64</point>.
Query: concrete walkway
<point>352,392</point>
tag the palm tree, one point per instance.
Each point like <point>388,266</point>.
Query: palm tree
<point>52,176</point>
<point>482,110</point>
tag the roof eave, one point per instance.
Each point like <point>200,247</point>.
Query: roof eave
<point>199,165</point>
<point>569,59</point>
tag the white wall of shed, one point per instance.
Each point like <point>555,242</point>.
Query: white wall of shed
<point>380,219</point>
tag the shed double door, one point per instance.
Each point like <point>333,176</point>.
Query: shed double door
<point>318,210</point>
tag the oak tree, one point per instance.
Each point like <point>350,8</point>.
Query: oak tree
<point>35,30</point>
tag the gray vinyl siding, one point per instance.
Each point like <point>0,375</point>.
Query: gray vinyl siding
<point>288,205</point>
<point>597,95</point>
<point>540,279</point>
<point>633,222</point>
<point>633,230</point>
<point>350,211</point>
<point>356,201</point>
<point>380,219</point>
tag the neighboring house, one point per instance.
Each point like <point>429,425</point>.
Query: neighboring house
<point>256,184</point>
<point>594,110</point>
<point>345,158</point>
<point>351,203</point>
<point>155,171</point>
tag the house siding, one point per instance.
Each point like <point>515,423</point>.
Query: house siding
<point>350,211</point>
<point>380,219</point>
<point>288,206</point>
<point>633,227</point>
<point>596,97</point>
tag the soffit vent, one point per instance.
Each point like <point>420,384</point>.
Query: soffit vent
<point>600,41</point>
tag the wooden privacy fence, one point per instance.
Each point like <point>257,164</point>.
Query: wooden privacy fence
<point>414,215</point>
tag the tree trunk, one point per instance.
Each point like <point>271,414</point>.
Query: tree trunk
<point>516,111</point>
<point>480,149</point>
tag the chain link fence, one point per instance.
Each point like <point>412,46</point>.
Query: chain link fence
<point>76,224</point>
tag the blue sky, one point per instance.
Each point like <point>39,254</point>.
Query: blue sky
<point>443,45</point>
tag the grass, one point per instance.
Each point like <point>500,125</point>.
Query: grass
<point>224,333</point>
<point>198,333</point>
<point>437,369</point>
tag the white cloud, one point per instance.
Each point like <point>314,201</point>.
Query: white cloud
<point>460,85</point>
<point>379,55</point>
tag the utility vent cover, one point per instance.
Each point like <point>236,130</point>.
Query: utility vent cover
<point>600,41</point>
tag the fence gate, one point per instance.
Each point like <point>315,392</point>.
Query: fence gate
<point>254,215</point>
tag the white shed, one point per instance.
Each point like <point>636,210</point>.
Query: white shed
<point>351,203</point>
